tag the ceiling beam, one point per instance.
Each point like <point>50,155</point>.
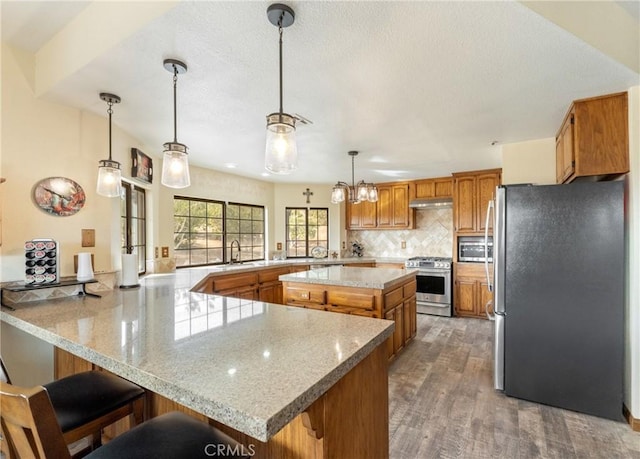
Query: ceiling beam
<point>89,35</point>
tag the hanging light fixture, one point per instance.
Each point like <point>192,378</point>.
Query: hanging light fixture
<point>355,192</point>
<point>281,154</point>
<point>175,161</point>
<point>109,175</point>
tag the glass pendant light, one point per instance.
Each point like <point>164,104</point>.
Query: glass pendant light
<point>356,193</point>
<point>281,153</point>
<point>109,174</point>
<point>175,160</point>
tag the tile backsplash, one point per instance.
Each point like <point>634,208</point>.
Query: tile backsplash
<point>433,236</point>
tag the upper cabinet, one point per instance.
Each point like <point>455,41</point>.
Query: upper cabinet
<point>434,188</point>
<point>393,206</point>
<point>472,192</point>
<point>361,215</point>
<point>593,139</point>
<point>391,211</point>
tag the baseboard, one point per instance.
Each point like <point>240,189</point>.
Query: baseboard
<point>633,422</point>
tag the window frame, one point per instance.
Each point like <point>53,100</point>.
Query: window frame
<point>308,248</point>
<point>126,222</point>
<point>225,235</point>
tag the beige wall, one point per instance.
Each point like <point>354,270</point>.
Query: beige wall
<point>44,139</point>
<point>533,161</point>
<point>632,336</point>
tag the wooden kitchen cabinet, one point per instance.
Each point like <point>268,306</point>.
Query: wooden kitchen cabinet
<point>593,139</point>
<point>361,215</point>
<point>397,303</point>
<point>434,188</point>
<point>471,292</point>
<point>393,206</point>
<point>391,211</point>
<point>472,192</point>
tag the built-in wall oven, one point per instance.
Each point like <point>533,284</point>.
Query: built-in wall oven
<point>433,291</point>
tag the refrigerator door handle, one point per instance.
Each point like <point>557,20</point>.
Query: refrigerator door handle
<point>486,310</point>
<point>486,245</point>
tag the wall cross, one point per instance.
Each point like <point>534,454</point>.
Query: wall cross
<point>308,194</point>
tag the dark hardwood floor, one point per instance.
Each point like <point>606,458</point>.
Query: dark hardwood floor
<point>442,405</point>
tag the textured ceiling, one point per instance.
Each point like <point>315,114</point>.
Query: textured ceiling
<point>421,89</point>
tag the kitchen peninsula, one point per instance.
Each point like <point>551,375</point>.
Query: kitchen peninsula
<point>292,382</point>
<point>371,292</point>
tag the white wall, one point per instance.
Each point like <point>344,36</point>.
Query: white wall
<point>290,195</point>
<point>533,161</point>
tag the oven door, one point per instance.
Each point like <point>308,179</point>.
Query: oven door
<point>433,286</point>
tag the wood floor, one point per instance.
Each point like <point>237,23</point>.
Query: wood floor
<point>443,405</point>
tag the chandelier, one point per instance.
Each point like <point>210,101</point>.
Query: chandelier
<point>356,193</point>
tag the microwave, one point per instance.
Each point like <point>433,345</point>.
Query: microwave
<point>471,248</point>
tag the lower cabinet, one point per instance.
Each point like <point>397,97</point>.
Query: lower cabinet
<point>471,293</point>
<point>397,304</point>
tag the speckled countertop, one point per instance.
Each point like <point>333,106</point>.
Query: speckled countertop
<point>378,278</point>
<point>251,365</point>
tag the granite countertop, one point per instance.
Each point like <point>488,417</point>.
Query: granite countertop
<point>378,278</point>
<point>251,365</point>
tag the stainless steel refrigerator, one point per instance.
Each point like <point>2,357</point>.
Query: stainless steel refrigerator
<point>558,288</point>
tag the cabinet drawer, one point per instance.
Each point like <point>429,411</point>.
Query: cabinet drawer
<point>351,300</point>
<point>392,298</point>
<point>409,289</point>
<point>270,275</point>
<point>305,295</point>
<point>234,281</point>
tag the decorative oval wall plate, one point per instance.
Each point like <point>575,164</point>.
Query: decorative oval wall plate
<point>59,196</point>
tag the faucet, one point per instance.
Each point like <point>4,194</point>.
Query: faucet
<point>237,257</point>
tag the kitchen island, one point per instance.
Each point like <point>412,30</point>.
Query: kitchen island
<point>289,382</point>
<point>371,292</point>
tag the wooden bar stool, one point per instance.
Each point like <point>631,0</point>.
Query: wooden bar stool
<point>31,425</point>
<point>87,402</point>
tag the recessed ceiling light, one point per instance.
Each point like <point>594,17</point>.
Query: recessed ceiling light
<point>265,174</point>
<point>231,165</point>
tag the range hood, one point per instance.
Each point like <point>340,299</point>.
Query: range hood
<point>431,203</point>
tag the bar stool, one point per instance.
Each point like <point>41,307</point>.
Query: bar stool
<point>87,402</point>
<point>30,423</point>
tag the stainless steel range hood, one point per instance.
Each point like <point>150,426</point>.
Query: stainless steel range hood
<point>431,203</point>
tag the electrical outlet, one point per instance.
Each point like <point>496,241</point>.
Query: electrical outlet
<point>165,252</point>
<point>403,244</point>
<point>279,246</point>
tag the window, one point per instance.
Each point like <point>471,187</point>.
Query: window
<point>203,231</point>
<point>133,223</point>
<point>245,224</point>
<point>306,229</point>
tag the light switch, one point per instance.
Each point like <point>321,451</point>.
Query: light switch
<point>88,237</point>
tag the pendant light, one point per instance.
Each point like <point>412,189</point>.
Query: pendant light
<point>175,161</point>
<point>355,192</point>
<point>281,154</point>
<point>109,175</point>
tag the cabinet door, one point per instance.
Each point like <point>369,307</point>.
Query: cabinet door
<point>559,159</point>
<point>485,191</point>
<point>390,315</point>
<point>247,293</point>
<point>465,217</point>
<point>361,215</point>
<point>443,188</point>
<point>271,292</point>
<point>568,151</point>
<point>398,333</point>
<point>426,189</point>
<point>385,206</point>
<point>465,297</point>
<point>400,206</point>
<point>410,325</point>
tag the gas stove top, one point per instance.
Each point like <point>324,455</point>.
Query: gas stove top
<point>429,262</point>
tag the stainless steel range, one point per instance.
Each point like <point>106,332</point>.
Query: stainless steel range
<point>433,292</point>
